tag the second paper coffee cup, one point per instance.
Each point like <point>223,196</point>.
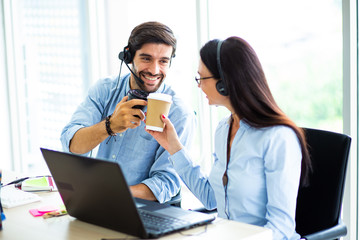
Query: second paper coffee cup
<point>158,104</point>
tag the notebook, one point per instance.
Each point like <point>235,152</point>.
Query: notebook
<point>95,191</point>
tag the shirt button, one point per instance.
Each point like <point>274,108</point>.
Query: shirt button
<point>120,134</point>
<point>114,156</point>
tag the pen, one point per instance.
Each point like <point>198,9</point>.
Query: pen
<point>16,181</point>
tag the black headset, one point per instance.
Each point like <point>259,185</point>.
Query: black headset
<point>126,55</point>
<point>220,85</point>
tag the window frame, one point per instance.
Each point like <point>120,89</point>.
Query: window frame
<point>10,111</point>
<point>351,115</point>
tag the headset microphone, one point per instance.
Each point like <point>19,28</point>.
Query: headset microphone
<point>127,57</point>
<point>138,80</point>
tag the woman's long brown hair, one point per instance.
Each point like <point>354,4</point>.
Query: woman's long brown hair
<point>249,93</point>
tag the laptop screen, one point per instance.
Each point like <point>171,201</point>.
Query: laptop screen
<point>95,191</point>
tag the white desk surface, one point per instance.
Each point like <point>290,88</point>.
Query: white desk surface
<point>21,225</point>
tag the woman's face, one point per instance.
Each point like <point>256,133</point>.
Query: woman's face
<point>208,86</point>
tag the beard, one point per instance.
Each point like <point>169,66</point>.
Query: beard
<point>141,84</point>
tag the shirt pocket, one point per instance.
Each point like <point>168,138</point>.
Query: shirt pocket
<point>142,150</point>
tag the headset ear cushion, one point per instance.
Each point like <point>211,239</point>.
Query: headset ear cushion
<point>126,55</point>
<point>220,87</point>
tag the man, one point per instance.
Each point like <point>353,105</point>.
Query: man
<point>108,119</point>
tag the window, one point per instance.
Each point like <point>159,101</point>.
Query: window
<point>54,50</point>
<point>300,47</point>
<point>51,72</point>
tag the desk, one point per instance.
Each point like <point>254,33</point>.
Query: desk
<point>21,225</point>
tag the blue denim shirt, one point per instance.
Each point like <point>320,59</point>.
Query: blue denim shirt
<point>142,159</point>
<point>263,177</point>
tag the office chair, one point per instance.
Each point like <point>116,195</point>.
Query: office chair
<point>319,205</point>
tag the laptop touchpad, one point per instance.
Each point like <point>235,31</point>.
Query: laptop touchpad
<point>173,212</point>
<point>139,205</point>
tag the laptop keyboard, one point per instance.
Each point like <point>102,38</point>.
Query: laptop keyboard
<point>160,223</point>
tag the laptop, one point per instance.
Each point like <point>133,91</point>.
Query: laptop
<point>95,191</point>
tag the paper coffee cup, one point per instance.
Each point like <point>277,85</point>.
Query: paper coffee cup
<point>158,104</point>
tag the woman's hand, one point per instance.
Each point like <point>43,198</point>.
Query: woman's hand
<point>168,138</point>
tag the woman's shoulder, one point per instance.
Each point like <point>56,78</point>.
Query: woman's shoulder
<point>282,130</point>
<point>280,133</point>
<point>272,132</point>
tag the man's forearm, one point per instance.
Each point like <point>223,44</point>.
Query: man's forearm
<point>87,138</point>
<point>142,191</point>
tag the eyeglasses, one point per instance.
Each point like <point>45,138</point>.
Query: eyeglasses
<point>198,78</point>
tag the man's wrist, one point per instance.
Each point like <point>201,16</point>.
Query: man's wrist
<point>107,126</point>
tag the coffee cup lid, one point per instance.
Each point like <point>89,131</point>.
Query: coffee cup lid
<point>160,96</point>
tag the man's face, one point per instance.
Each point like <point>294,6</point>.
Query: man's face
<point>151,63</point>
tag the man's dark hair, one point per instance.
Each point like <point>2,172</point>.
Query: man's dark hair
<point>151,32</point>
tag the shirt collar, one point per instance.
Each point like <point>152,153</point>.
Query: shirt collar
<point>127,79</point>
<point>243,124</point>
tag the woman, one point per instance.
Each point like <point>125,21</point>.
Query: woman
<point>260,155</point>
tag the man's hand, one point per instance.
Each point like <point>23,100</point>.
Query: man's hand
<point>125,116</point>
<point>87,138</point>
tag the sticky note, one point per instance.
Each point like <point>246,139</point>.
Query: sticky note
<point>38,184</point>
<point>37,212</point>
<point>47,209</point>
<point>41,182</point>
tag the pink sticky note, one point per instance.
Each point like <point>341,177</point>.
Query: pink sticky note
<point>46,209</point>
<point>35,213</point>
